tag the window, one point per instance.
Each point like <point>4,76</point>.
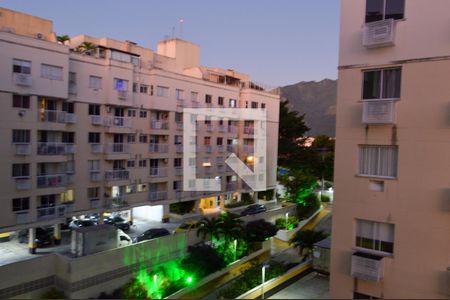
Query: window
<point>191,161</point>
<point>47,200</point>
<point>142,114</point>
<point>21,101</point>
<point>93,165</point>
<point>207,140</point>
<point>131,164</point>
<point>19,204</point>
<point>178,139</point>
<point>93,192</point>
<point>232,103</point>
<point>95,82</point>
<point>67,196</point>
<point>21,66</point>
<point>377,10</point>
<point>68,107</point>
<point>120,56</point>
<point>143,138</point>
<point>51,72</point>
<point>375,236</point>
<point>263,105</point>
<point>177,162</point>
<point>379,161</point>
<point>94,110</point>
<point>20,170</point>
<point>135,60</point>
<point>254,104</point>
<point>143,163</point>
<point>208,98</point>
<point>219,141</point>
<point>131,113</point>
<point>382,84</point>
<point>178,185</point>
<point>220,101</point>
<point>94,138</point>
<point>20,136</point>
<point>357,295</point>
<point>179,94</point>
<point>135,87</point>
<point>194,96</point>
<point>143,89</point>
<point>131,138</point>
<point>120,85</point>
<point>162,91</point>
<point>178,117</point>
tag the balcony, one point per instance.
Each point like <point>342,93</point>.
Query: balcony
<point>97,120</point>
<point>122,95</point>
<point>23,182</point>
<point>70,118</point>
<point>180,195</point>
<point>221,148</point>
<point>96,148</point>
<point>53,180</point>
<point>23,148</point>
<point>378,112</point>
<point>55,148</point>
<point>207,148</point>
<point>179,148</point>
<point>117,175</point>
<point>72,89</point>
<point>157,124</point>
<point>118,201</point>
<point>367,266</point>
<point>117,122</point>
<point>157,196</point>
<point>379,34</point>
<point>116,148</point>
<point>57,116</point>
<point>23,217</point>
<point>52,212</point>
<point>22,79</point>
<point>158,148</point>
<point>158,172</point>
<point>249,130</point>
<point>95,175</point>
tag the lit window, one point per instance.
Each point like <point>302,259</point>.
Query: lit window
<point>120,84</point>
<point>375,236</point>
<point>378,161</point>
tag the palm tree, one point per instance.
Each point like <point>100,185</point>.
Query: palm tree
<point>209,227</point>
<point>231,227</point>
<point>62,39</point>
<point>86,48</point>
<point>305,240</point>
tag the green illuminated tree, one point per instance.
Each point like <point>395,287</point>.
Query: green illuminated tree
<point>209,228</point>
<point>202,261</point>
<point>305,240</point>
<point>134,290</point>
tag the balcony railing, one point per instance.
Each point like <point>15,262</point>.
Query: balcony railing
<point>180,195</point>
<point>95,175</point>
<point>209,127</point>
<point>115,175</point>
<point>179,148</point>
<point>53,180</point>
<point>208,148</point>
<point>221,148</point>
<point>249,130</point>
<point>180,103</point>
<point>367,266</point>
<point>179,125</point>
<point>70,118</point>
<point>379,34</point>
<point>178,171</point>
<point>55,148</point>
<point>118,122</point>
<point>23,148</point>
<point>52,212</point>
<point>157,124</point>
<point>116,148</point>
<point>222,128</point>
<point>95,202</point>
<point>158,148</point>
<point>231,186</point>
<point>72,89</point>
<point>96,148</point>
<point>122,95</point>
<point>158,172</point>
<point>249,149</point>
<point>157,196</point>
<point>23,182</point>
<point>378,112</point>
<point>97,120</point>
<point>119,201</point>
<point>22,79</point>
<point>231,148</point>
<point>23,217</point>
<point>232,129</point>
<point>57,116</point>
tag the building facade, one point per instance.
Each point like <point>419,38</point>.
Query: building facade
<point>96,125</point>
<point>391,223</point>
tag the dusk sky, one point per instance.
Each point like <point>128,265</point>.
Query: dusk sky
<point>276,42</point>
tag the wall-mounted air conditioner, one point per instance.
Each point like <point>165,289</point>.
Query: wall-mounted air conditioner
<point>379,34</point>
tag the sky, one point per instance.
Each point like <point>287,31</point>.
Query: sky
<point>276,42</point>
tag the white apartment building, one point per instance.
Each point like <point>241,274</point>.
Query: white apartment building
<point>391,211</point>
<point>99,128</point>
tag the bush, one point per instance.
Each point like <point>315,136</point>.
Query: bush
<point>246,197</point>
<point>308,207</point>
<point>182,207</point>
<point>260,230</point>
<point>291,224</point>
<point>325,198</point>
<point>202,260</point>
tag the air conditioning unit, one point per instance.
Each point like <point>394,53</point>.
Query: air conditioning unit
<point>379,34</point>
<point>39,36</point>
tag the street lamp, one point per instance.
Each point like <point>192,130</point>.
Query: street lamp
<point>287,216</point>
<point>235,249</point>
<point>263,279</point>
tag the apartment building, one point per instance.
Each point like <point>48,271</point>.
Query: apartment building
<point>95,125</point>
<point>391,223</point>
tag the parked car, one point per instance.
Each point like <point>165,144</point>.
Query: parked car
<point>44,237</point>
<point>254,209</point>
<point>117,221</point>
<point>152,234</point>
<point>81,223</point>
<point>187,226</point>
<point>94,217</point>
<point>123,239</point>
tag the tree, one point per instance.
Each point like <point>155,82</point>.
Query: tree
<point>291,135</point>
<point>323,163</point>
<point>62,39</point>
<point>202,260</point>
<point>305,240</point>
<point>260,230</point>
<point>230,227</point>
<point>134,290</point>
<point>209,227</point>
<point>299,183</point>
<point>86,48</point>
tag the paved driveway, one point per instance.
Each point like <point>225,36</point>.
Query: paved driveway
<point>312,286</point>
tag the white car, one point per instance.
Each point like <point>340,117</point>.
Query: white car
<point>123,239</point>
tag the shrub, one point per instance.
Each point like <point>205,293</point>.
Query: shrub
<point>246,197</point>
<point>182,207</point>
<point>308,207</point>
<point>291,223</point>
<point>325,198</point>
<point>260,230</point>
<point>202,260</point>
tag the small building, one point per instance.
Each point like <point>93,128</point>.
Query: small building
<point>321,256</point>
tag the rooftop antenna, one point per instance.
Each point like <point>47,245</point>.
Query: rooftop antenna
<point>181,27</point>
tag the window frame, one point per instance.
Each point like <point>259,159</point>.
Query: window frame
<point>376,241</point>
<point>378,160</point>
<point>22,99</point>
<point>21,63</point>
<point>24,134</point>
<point>95,82</point>
<point>383,15</point>
<point>52,72</point>
<point>381,87</point>
<point>24,204</point>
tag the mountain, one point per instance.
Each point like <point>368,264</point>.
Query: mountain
<point>317,100</point>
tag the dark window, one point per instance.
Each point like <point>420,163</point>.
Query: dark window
<point>357,295</point>
<point>131,138</point>
<point>208,98</point>
<point>94,109</point>
<point>19,204</point>
<point>20,170</point>
<point>142,114</point>
<point>143,139</point>
<point>21,101</point>
<point>254,104</point>
<point>20,136</point>
<point>135,87</point>
<point>219,141</point>
<point>220,100</point>
<point>21,66</point>
<point>382,84</point>
<point>131,113</point>
<point>130,164</point>
<point>263,105</point>
<point>68,137</point>
<point>143,163</point>
<point>377,10</point>
<point>68,107</point>
<point>177,162</point>
<point>94,137</point>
